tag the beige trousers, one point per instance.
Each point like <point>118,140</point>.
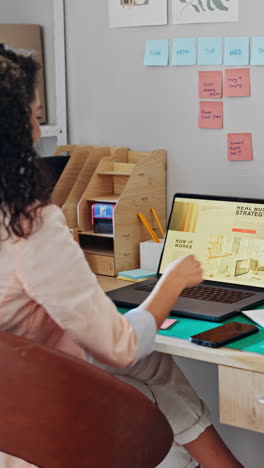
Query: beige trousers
<point>159,378</point>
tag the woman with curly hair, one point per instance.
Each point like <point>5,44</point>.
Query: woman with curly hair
<point>49,294</point>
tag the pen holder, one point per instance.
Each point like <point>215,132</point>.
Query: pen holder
<point>150,252</point>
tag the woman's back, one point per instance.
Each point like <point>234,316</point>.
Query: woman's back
<point>19,313</point>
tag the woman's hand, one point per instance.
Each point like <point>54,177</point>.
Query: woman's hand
<point>186,269</point>
<point>178,275</point>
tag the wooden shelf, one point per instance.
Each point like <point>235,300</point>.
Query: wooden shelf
<point>98,234</point>
<point>106,198</point>
<point>98,245</point>
<point>99,251</point>
<point>114,173</point>
<point>118,169</point>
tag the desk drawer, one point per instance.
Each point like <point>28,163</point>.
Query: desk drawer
<point>101,264</point>
<point>241,398</point>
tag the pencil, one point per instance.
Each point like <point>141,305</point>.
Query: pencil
<point>148,227</point>
<point>158,222</point>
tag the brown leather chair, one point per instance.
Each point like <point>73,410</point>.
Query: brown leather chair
<point>59,412</point>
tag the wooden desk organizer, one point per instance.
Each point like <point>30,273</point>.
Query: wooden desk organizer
<point>135,181</point>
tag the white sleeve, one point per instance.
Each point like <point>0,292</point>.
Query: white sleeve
<point>54,272</point>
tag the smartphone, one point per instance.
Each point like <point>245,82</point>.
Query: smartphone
<point>223,334</point>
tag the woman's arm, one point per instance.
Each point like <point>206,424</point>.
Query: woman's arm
<point>54,273</point>
<point>53,270</point>
<point>180,274</point>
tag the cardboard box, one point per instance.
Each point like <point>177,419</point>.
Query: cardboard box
<point>150,252</point>
<point>28,37</point>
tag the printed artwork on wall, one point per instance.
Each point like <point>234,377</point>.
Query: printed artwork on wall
<point>204,11</point>
<point>123,13</point>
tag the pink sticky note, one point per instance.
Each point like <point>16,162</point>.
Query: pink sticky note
<point>211,114</point>
<point>237,82</point>
<point>210,84</point>
<point>240,147</point>
<point>167,323</point>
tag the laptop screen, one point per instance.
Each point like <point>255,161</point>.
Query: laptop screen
<point>225,235</point>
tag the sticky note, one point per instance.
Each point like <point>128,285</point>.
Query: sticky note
<point>237,82</point>
<point>211,114</point>
<point>210,51</point>
<point>168,323</point>
<point>184,51</point>
<point>236,51</point>
<point>240,147</point>
<point>210,84</point>
<point>157,52</point>
<point>257,52</point>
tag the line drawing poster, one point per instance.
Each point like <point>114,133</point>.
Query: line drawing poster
<point>123,13</point>
<point>204,11</point>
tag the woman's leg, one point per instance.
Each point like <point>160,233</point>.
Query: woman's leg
<point>195,440</point>
<point>205,448</point>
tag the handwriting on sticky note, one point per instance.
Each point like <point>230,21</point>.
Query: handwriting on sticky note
<point>184,51</point>
<point>157,52</point>
<point>211,114</point>
<point>210,51</point>
<point>240,147</point>
<point>237,82</point>
<point>236,51</point>
<point>210,84</point>
<point>257,53</point>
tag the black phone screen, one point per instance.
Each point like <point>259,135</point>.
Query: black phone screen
<point>224,334</point>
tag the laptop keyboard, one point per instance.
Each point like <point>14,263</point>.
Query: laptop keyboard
<point>204,293</point>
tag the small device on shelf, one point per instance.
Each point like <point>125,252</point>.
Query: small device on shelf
<point>102,217</point>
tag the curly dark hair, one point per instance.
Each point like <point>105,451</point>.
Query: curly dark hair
<point>23,190</point>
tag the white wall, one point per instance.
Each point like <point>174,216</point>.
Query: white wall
<point>113,99</point>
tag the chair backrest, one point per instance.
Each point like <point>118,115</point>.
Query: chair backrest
<point>59,412</point>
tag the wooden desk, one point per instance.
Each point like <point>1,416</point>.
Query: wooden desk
<point>241,374</point>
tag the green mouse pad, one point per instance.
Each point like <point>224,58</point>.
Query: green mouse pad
<point>185,327</point>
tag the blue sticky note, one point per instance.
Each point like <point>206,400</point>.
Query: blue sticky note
<point>210,51</point>
<point>157,52</point>
<point>184,51</point>
<point>236,51</point>
<point>257,53</point>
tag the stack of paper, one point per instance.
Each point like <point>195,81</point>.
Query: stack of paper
<point>139,274</point>
<point>256,315</point>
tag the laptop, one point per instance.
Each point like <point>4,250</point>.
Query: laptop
<point>226,234</point>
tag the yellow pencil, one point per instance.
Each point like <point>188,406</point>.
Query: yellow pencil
<point>158,222</point>
<point>148,227</point>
